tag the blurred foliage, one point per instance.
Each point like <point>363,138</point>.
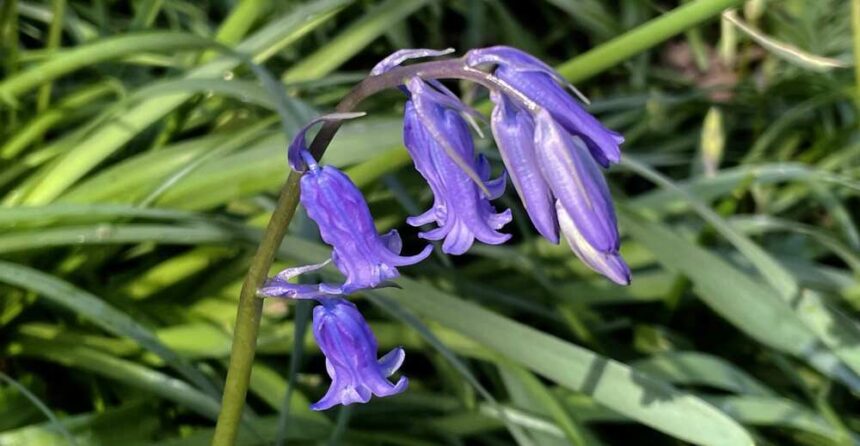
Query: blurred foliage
<point>139,161</point>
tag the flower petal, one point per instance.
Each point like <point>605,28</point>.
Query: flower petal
<point>337,206</point>
<point>577,182</point>
<point>513,129</point>
<point>462,211</point>
<point>392,361</point>
<point>542,84</point>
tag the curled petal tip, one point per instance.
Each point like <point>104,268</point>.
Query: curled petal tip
<point>291,272</point>
<point>392,361</point>
<point>298,146</point>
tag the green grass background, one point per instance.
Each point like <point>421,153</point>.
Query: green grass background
<point>142,145</point>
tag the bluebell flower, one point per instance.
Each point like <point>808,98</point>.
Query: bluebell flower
<point>462,211</point>
<point>333,201</point>
<point>367,259</point>
<point>543,85</point>
<point>350,350</point>
<point>437,137</point>
<point>553,150</point>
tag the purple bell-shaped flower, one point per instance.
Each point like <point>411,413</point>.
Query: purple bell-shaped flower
<point>350,356</point>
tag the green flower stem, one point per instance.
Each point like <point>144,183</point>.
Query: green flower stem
<point>643,37</point>
<point>855,28</point>
<point>248,316</point>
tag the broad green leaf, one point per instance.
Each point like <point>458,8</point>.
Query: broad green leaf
<point>749,305</point>
<point>779,412</point>
<point>760,411</point>
<point>694,368</point>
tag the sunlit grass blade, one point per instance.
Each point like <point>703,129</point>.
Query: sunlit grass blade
<point>352,39</point>
<point>74,59</point>
<point>109,138</point>
<point>783,50</point>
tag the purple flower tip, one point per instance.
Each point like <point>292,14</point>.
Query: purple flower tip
<point>610,264</point>
<point>350,350</point>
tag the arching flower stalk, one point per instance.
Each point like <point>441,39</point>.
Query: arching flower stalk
<point>552,150</point>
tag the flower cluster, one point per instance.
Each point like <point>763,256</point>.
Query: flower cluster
<point>552,149</point>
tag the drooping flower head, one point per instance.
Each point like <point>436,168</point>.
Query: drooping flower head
<point>552,148</point>
<point>365,258</point>
<point>350,351</point>
<point>437,137</point>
